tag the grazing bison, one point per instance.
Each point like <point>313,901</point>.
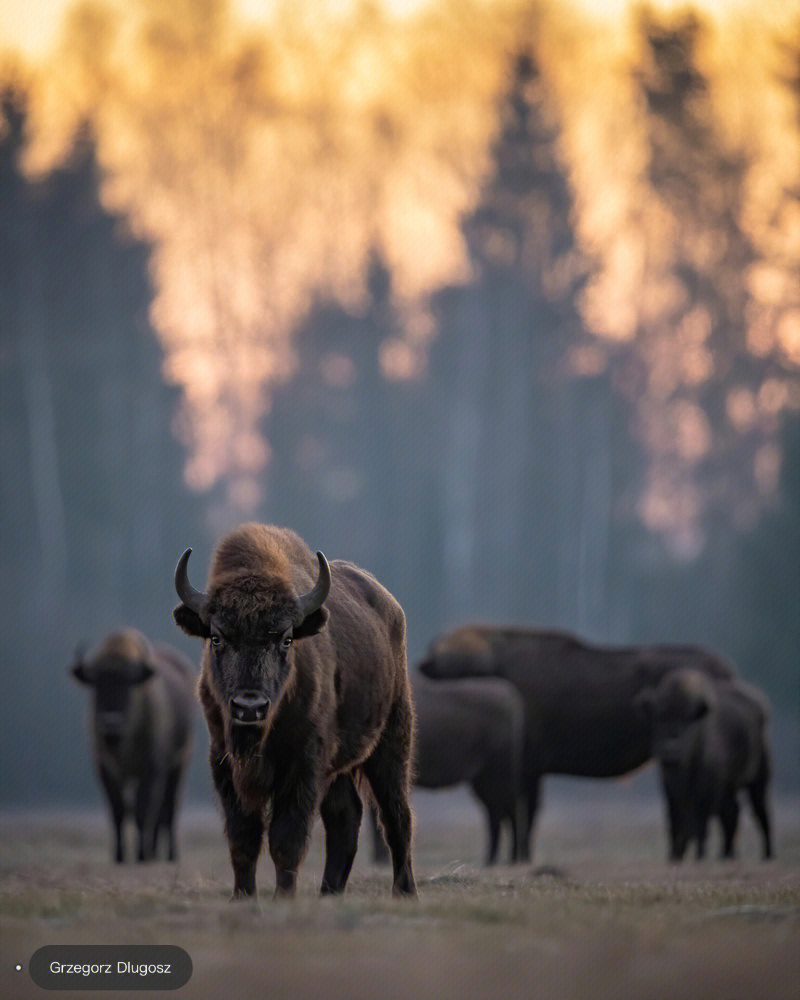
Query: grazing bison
<point>709,737</point>
<point>470,731</point>
<point>580,716</point>
<point>141,729</point>
<point>305,690</point>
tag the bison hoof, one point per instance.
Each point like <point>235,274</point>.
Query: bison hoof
<point>329,890</point>
<point>244,894</point>
<point>404,892</point>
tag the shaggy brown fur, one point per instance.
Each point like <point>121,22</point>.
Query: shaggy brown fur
<point>141,733</point>
<point>328,699</point>
<point>580,716</point>
<point>709,736</point>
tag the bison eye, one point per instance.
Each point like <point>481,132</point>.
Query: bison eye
<point>286,642</point>
<point>215,639</point>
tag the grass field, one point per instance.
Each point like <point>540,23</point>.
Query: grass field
<point>598,915</point>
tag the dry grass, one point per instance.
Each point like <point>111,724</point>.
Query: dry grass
<point>599,915</point>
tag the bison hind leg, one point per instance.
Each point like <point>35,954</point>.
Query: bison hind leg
<point>341,816</point>
<point>494,835</point>
<point>758,800</point>
<point>388,771</point>
<point>729,817</point>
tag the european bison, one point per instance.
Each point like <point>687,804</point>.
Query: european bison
<point>471,731</point>
<point>709,737</point>
<point>141,729</point>
<point>305,690</point>
<point>580,717</point>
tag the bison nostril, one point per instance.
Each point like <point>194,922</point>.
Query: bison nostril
<point>249,706</point>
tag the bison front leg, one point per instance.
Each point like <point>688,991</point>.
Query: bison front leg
<point>500,802</point>
<point>146,809</point>
<point>673,782</point>
<point>117,806</point>
<point>703,808</point>
<point>289,834</point>
<point>244,830</point>
<point>531,797</point>
<point>729,818</point>
<point>166,819</point>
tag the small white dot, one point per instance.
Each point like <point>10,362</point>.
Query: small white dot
<point>18,967</point>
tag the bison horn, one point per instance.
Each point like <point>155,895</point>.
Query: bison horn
<point>315,598</point>
<point>193,599</point>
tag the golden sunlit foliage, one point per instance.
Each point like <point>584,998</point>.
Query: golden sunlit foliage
<point>265,169</point>
<point>679,249</point>
<point>268,160</point>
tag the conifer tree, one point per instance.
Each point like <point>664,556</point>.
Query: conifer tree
<point>526,466</point>
<point>696,376</point>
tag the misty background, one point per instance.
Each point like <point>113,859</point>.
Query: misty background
<point>503,413</point>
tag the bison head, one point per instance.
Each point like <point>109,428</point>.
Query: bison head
<point>674,707</point>
<point>250,622</point>
<point>121,664</point>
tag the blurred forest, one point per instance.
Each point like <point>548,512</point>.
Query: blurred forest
<point>528,472</point>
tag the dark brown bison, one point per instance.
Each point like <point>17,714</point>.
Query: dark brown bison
<point>471,731</point>
<point>305,690</point>
<point>709,737</point>
<point>141,729</point>
<point>580,715</point>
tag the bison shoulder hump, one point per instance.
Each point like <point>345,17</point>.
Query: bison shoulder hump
<point>262,549</point>
<point>360,585</point>
<point>473,642</point>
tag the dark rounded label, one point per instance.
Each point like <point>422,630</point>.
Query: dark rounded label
<point>110,967</point>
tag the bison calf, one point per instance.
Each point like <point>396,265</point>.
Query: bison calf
<point>709,737</point>
<point>141,733</point>
<point>471,731</point>
<point>305,690</point>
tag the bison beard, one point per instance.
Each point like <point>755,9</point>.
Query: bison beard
<point>305,690</point>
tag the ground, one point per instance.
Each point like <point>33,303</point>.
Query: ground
<point>599,914</point>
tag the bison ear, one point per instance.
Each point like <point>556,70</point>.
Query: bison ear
<point>191,622</point>
<point>142,672</point>
<point>311,624</point>
<point>79,673</point>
